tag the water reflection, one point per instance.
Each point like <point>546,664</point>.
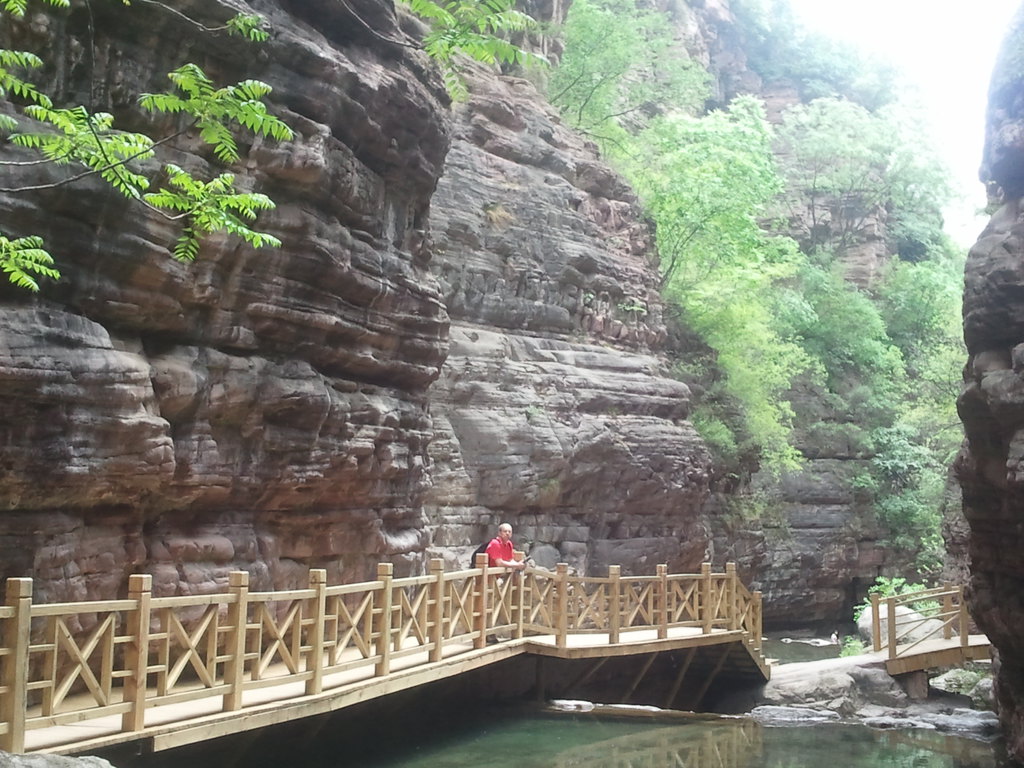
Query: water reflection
<point>722,743</point>
<point>572,742</point>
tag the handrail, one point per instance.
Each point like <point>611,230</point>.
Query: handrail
<point>67,662</point>
<point>951,615</point>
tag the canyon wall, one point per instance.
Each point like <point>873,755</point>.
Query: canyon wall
<point>462,327</point>
<point>552,410</point>
<point>388,385</point>
<point>990,465</point>
<point>259,409</point>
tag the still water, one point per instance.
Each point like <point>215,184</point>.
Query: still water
<point>560,741</point>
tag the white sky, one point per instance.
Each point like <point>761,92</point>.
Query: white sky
<point>946,47</point>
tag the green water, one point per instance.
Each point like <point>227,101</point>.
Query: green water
<point>561,741</point>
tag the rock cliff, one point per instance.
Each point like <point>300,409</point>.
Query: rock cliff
<point>552,411</point>
<point>989,466</point>
<point>462,327</point>
<point>406,371</point>
<point>264,410</point>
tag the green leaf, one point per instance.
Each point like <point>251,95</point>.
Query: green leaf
<point>216,111</point>
<point>249,26</point>
<point>213,206</point>
<point>471,28</point>
<point>24,257</point>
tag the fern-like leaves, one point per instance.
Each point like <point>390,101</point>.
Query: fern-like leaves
<point>249,26</point>
<point>24,257</point>
<point>11,83</point>
<point>17,7</point>
<point>213,206</point>
<point>472,28</point>
<point>76,136</point>
<point>89,139</point>
<point>214,110</point>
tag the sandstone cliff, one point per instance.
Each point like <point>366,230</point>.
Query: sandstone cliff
<point>277,410</point>
<point>552,411</point>
<point>461,328</point>
<point>264,410</point>
<point>989,466</point>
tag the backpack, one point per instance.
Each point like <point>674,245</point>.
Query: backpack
<point>478,551</point>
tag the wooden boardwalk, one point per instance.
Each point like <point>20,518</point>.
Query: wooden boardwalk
<point>927,629</point>
<point>168,671</point>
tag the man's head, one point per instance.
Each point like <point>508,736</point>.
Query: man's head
<point>504,531</point>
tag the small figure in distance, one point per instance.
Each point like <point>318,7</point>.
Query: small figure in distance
<point>499,551</point>
<point>835,638</point>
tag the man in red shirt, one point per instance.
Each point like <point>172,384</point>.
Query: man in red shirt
<point>499,551</point>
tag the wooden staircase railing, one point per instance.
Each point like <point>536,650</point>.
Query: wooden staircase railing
<point>905,632</point>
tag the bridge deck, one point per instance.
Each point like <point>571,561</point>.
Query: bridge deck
<point>925,629</point>
<point>187,722</point>
<point>168,670</point>
<point>935,653</point>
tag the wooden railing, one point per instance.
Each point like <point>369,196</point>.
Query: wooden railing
<point>68,662</point>
<point>938,613</point>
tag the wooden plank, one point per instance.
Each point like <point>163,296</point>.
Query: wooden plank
<point>73,609</point>
<point>940,653</point>
<point>190,601</point>
<point>711,678</point>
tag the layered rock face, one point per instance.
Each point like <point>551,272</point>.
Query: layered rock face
<point>277,410</point>
<point>264,410</point>
<point>989,467</point>
<point>462,328</point>
<point>551,411</point>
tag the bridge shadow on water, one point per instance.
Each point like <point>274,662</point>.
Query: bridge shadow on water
<point>447,734</point>
<point>495,717</point>
<point>502,701</point>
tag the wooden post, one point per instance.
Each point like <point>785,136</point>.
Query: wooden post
<point>480,613</point>
<point>385,572</point>
<point>614,603</point>
<point>891,613</point>
<point>315,659</point>
<point>519,596</point>
<point>876,624</point>
<point>437,615</point>
<point>238,619</point>
<point>661,570</point>
<point>757,619</point>
<point>707,618</point>
<point>562,607</point>
<point>947,610</point>
<point>648,663</point>
<point>965,629</point>
<point>140,589</point>
<point>731,591</point>
<point>17,634</point>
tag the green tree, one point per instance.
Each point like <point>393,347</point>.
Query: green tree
<point>621,66</point>
<point>88,143</point>
<point>778,47</point>
<point>472,28</point>
<point>707,182</point>
<point>847,168</point>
